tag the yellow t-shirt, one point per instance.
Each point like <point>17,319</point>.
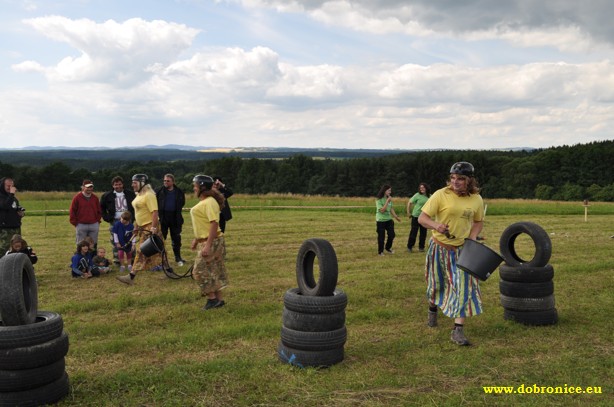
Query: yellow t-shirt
<point>144,205</point>
<point>202,214</point>
<point>458,212</point>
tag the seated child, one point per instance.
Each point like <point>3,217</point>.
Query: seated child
<point>124,240</point>
<point>19,245</point>
<point>100,264</point>
<point>81,263</point>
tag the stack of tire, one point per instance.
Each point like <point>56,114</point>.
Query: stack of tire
<point>313,331</point>
<point>33,343</point>
<point>526,286</point>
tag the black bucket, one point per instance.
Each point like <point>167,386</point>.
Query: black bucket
<point>478,260</point>
<point>153,245</point>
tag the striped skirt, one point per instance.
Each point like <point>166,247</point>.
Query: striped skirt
<point>453,290</point>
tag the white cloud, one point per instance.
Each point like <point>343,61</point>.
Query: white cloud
<point>112,52</point>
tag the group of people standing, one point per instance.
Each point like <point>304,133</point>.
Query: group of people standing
<point>137,214</point>
<point>453,213</point>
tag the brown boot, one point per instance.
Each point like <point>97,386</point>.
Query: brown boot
<point>458,337</point>
<point>432,321</point>
<point>125,279</point>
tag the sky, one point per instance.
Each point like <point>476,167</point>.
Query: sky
<point>367,74</point>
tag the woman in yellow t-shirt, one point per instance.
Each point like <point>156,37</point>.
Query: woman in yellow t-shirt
<point>209,268</point>
<point>454,213</point>
<point>146,222</point>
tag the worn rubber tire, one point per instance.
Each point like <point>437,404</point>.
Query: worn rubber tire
<point>18,290</point>
<point>541,240</point>
<point>25,379</point>
<point>302,340</point>
<point>28,357</point>
<point>526,290</point>
<point>312,322</point>
<point>548,317</point>
<point>49,393</point>
<point>307,304</point>
<point>305,358</point>
<point>327,261</point>
<point>526,274</point>
<point>527,304</point>
<point>47,326</point>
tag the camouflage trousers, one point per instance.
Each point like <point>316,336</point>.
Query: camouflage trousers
<point>210,272</point>
<point>5,238</point>
<point>141,262</point>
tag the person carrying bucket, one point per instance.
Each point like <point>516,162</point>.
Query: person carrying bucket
<point>146,225</point>
<point>454,213</point>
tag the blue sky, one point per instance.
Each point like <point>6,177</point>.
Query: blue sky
<point>391,74</point>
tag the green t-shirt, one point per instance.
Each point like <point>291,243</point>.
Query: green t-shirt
<point>418,201</point>
<point>382,216</point>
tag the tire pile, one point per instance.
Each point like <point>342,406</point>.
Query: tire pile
<point>33,343</point>
<point>313,331</point>
<point>527,289</point>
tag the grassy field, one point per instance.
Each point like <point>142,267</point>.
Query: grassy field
<point>151,345</point>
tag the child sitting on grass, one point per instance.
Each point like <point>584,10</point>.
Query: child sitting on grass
<point>100,264</point>
<point>81,264</point>
<point>19,245</point>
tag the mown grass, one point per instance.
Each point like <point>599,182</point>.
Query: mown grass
<point>151,345</point>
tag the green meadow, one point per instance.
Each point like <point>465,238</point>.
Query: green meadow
<point>151,344</point>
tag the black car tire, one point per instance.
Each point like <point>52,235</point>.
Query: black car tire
<point>312,322</point>
<point>18,290</point>
<point>295,301</point>
<point>541,240</point>
<point>25,379</point>
<point>526,290</point>
<point>327,261</point>
<point>526,304</point>
<point>303,340</point>
<point>548,317</point>
<point>28,357</point>
<point>49,393</point>
<point>306,358</point>
<point>47,326</point>
<point>526,274</point>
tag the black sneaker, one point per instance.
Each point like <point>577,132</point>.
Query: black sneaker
<point>214,304</point>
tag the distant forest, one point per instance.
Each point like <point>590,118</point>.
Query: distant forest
<point>567,173</point>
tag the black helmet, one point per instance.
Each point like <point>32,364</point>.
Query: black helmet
<point>204,181</point>
<point>462,168</point>
<point>140,178</point>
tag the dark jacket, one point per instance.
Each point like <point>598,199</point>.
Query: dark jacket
<point>107,204</point>
<point>28,251</point>
<point>9,218</point>
<point>226,213</point>
<point>179,204</point>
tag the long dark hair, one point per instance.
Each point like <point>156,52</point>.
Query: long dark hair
<point>382,191</point>
<point>217,195</point>
<point>427,188</point>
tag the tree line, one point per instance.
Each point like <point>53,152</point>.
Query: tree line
<point>564,173</point>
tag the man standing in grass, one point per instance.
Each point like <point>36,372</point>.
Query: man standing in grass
<point>10,214</point>
<point>209,268</point>
<point>454,212</point>
<point>113,203</point>
<point>85,213</point>
<point>171,200</point>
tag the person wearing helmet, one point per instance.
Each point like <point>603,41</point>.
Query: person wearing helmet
<point>146,222</point>
<point>454,213</point>
<point>209,269</point>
